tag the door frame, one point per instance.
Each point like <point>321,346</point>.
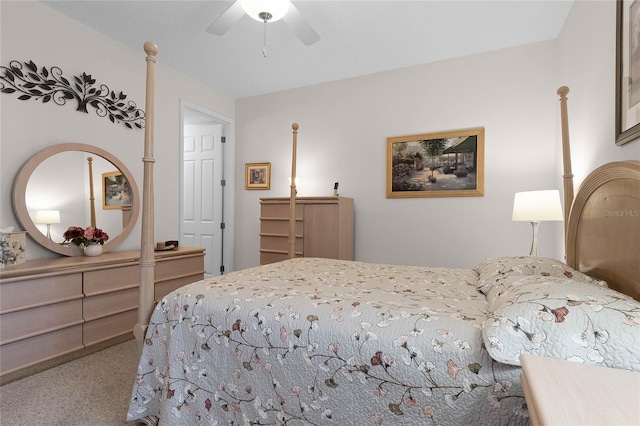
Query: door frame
<point>228,164</point>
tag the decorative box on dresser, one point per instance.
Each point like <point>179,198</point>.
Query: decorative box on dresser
<point>54,307</point>
<point>324,228</point>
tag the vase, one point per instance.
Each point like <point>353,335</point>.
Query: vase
<point>93,250</point>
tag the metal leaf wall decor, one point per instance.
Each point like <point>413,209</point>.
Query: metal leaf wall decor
<point>24,79</point>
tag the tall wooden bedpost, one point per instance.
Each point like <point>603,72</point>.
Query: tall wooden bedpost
<point>292,195</point>
<point>566,158</point>
<point>147,259</point>
<point>92,198</point>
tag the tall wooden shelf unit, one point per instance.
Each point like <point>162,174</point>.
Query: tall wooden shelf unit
<point>54,307</point>
<point>324,228</point>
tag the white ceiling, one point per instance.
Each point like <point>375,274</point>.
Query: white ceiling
<point>358,37</point>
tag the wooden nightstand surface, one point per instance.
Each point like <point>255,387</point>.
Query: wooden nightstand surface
<point>560,392</point>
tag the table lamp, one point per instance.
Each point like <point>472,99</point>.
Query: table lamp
<point>48,217</point>
<point>535,207</point>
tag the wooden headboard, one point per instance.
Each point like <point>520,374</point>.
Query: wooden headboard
<point>603,232</point>
<point>602,222</point>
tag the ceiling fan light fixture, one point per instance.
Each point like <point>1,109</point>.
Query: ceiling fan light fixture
<point>260,9</point>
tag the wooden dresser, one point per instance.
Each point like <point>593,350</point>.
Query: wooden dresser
<point>324,228</point>
<point>53,307</point>
<point>560,392</point>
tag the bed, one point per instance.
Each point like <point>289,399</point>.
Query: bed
<point>311,341</point>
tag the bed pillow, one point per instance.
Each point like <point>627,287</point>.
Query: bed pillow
<point>566,319</point>
<point>495,271</point>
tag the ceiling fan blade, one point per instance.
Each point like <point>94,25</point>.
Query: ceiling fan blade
<point>229,17</point>
<point>300,26</point>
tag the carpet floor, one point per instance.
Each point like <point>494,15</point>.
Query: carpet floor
<point>92,390</point>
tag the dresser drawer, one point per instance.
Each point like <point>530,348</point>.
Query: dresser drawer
<point>162,288</point>
<point>279,227</point>
<point>103,305</point>
<point>15,295</point>
<point>281,211</point>
<point>27,352</point>
<point>268,242</point>
<point>106,328</point>
<point>272,257</point>
<point>106,280</point>
<point>30,322</point>
<point>179,268</point>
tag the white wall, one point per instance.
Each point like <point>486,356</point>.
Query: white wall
<point>586,64</point>
<point>512,93</point>
<point>343,131</point>
<point>33,31</point>
<point>342,137</point>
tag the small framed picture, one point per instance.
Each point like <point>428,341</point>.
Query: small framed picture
<point>257,176</point>
<point>116,191</point>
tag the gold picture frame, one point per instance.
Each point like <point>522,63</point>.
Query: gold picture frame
<point>257,176</point>
<point>443,164</point>
<point>116,191</point>
<point>627,118</point>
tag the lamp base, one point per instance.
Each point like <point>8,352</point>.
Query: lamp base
<point>534,243</point>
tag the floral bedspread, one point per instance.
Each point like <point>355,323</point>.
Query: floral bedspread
<point>325,342</point>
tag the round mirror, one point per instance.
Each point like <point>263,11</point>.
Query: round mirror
<point>75,184</point>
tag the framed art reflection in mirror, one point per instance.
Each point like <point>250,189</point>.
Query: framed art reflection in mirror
<point>116,191</point>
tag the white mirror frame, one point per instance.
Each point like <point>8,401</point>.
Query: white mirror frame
<point>22,213</point>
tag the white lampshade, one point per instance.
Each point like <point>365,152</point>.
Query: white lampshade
<point>48,216</point>
<point>276,8</point>
<point>537,206</point>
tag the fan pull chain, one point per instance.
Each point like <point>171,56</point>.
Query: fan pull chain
<point>264,45</point>
<point>266,17</point>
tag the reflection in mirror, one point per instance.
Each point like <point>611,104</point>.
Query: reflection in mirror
<point>73,179</point>
<point>69,193</point>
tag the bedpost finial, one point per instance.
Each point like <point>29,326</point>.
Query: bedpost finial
<point>151,48</point>
<point>563,91</point>
<point>295,126</point>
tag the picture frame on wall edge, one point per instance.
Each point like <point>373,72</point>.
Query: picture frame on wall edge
<point>627,126</point>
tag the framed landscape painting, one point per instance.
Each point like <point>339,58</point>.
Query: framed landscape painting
<point>445,164</point>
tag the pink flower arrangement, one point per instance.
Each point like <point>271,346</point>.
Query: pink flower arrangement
<point>80,236</point>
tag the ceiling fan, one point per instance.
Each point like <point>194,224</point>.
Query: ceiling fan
<point>265,11</point>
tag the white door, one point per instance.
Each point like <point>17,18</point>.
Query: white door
<point>202,193</point>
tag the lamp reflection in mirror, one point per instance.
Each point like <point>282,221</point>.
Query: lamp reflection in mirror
<point>535,207</point>
<point>48,217</point>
